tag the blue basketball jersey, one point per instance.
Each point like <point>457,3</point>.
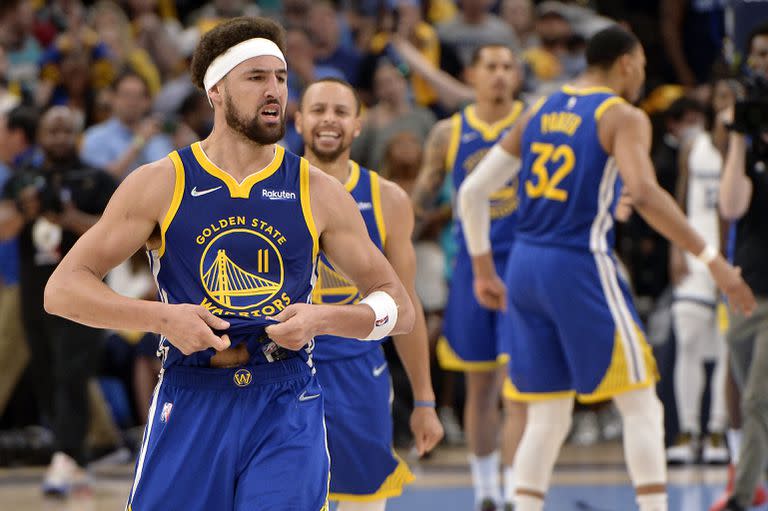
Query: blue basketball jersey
<point>470,140</point>
<point>245,251</point>
<point>332,287</point>
<point>569,184</point>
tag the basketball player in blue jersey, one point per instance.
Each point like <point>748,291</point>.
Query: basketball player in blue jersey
<point>470,341</point>
<point>357,390</point>
<point>572,327</point>
<point>234,225</point>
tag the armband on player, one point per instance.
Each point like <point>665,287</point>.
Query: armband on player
<point>385,310</point>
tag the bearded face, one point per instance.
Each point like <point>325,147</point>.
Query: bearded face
<point>265,126</point>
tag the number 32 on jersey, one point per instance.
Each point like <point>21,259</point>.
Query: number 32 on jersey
<point>552,165</point>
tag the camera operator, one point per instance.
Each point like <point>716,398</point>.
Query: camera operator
<point>744,198</point>
<point>49,207</point>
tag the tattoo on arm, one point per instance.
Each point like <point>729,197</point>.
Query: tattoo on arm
<point>432,174</point>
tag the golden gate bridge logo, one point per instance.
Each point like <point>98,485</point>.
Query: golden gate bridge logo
<point>228,283</point>
<point>332,287</point>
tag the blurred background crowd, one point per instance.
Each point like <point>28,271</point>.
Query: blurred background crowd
<point>121,68</point>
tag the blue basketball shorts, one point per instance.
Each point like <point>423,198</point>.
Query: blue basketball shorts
<point>572,327</point>
<point>358,415</point>
<point>247,438</point>
<point>470,339</point>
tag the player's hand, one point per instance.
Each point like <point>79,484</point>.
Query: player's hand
<point>491,292</point>
<point>426,429</point>
<point>296,326</point>
<point>190,328</point>
<point>728,279</point>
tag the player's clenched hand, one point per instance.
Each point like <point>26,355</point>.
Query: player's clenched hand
<point>426,428</point>
<point>728,279</point>
<point>190,328</point>
<point>296,326</point>
<point>491,292</point>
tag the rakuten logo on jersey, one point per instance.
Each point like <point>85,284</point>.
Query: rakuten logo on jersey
<point>277,195</point>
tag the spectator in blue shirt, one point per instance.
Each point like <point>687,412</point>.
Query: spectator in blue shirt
<point>302,71</point>
<point>132,137</point>
<point>327,38</point>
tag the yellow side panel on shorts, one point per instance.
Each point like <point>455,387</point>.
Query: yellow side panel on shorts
<point>450,361</point>
<point>617,379</point>
<point>391,487</point>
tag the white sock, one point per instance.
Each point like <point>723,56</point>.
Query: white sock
<point>734,444</point>
<point>485,476</point>
<point>509,485</point>
<point>652,502</point>
<point>528,503</point>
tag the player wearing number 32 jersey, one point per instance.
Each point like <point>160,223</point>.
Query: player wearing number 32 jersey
<point>572,328</point>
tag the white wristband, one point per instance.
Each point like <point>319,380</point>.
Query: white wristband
<point>385,309</point>
<point>708,255</point>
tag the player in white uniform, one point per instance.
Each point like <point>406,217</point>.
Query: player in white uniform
<point>695,318</point>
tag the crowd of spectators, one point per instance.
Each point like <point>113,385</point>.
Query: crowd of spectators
<point>91,90</point>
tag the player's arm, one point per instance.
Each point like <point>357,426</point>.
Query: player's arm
<point>501,164</point>
<point>432,174</point>
<point>413,347</point>
<point>678,268</point>
<point>345,241</point>
<point>735,186</point>
<point>625,132</point>
<point>76,289</point>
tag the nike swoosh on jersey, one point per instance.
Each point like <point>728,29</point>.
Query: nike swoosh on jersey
<point>378,370</point>
<point>304,397</point>
<point>195,193</point>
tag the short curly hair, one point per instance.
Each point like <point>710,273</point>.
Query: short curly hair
<point>229,34</point>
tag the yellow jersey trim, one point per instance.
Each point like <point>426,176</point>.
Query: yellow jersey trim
<point>573,91</point>
<point>492,131</point>
<point>306,206</point>
<point>238,190</point>
<point>178,193</point>
<point>451,361</point>
<point>378,213</point>
<point>537,106</point>
<point>354,176</point>
<point>605,105</point>
<point>391,487</point>
<point>453,144</point>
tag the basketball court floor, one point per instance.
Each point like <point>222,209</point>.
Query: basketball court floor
<point>586,479</point>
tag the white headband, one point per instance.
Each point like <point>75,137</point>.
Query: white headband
<point>239,53</point>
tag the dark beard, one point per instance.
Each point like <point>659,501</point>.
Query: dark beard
<point>328,157</point>
<point>253,129</point>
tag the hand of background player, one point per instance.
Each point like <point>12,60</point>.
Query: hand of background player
<point>491,292</point>
<point>426,428</point>
<point>728,279</point>
<point>190,328</point>
<point>297,324</point>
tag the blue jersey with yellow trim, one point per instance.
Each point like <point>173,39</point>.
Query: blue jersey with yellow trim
<point>244,251</point>
<point>471,139</point>
<point>569,184</point>
<point>332,287</point>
